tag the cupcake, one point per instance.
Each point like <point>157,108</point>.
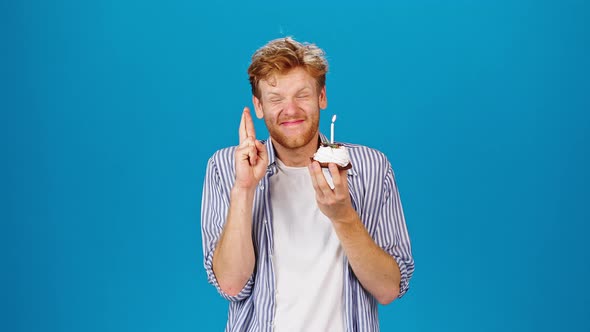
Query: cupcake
<point>333,153</point>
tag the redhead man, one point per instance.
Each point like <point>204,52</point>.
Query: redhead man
<point>290,251</point>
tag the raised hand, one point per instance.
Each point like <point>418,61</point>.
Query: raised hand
<point>251,156</point>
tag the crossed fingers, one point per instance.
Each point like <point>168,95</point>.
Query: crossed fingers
<point>246,126</point>
<point>249,146</point>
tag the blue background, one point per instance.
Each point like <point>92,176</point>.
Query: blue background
<point>110,110</point>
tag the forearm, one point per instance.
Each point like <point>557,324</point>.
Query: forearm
<point>375,269</point>
<point>234,259</point>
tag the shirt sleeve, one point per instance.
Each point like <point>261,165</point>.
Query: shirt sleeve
<point>214,208</point>
<point>392,233</point>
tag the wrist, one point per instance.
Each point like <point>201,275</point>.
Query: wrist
<point>242,192</point>
<point>347,218</point>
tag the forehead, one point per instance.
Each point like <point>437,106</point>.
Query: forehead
<point>292,81</point>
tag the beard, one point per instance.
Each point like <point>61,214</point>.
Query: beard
<point>294,141</point>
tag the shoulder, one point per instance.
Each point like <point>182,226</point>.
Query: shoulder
<point>222,160</point>
<point>367,157</point>
<point>224,153</point>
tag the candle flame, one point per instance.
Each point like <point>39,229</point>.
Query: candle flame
<point>334,118</point>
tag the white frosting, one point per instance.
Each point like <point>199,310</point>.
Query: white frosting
<point>326,154</point>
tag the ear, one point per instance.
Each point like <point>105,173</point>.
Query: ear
<point>257,107</point>
<point>323,99</point>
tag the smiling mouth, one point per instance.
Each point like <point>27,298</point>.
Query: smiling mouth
<point>291,123</point>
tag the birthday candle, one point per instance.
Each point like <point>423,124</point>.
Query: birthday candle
<point>332,129</point>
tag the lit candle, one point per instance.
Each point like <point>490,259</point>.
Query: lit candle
<point>332,129</point>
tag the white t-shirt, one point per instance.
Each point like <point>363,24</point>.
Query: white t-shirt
<point>308,257</point>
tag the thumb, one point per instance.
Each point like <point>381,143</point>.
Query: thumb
<point>262,153</point>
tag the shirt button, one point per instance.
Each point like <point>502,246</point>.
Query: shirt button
<point>261,187</point>
<point>264,221</point>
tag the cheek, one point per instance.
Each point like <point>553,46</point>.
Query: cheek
<point>270,116</point>
<point>267,111</point>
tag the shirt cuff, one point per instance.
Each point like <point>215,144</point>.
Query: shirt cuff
<point>405,271</point>
<point>242,295</point>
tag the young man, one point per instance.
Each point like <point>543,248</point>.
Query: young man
<point>287,251</point>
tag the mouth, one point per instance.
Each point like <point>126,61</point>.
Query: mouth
<point>291,123</point>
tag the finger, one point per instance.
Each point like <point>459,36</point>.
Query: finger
<point>339,179</point>
<point>252,156</point>
<point>249,146</point>
<point>261,149</point>
<point>242,131</point>
<point>317,175</point>
<point>314,182</point>
<point>248,154</point>
<point>249,124</point>
<point>243,151</point>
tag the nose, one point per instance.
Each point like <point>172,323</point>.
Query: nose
<point>290,107</point>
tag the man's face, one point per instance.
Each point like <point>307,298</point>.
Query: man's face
<point>291,107</point>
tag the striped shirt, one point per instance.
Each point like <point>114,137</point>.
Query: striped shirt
<point>375,198</point>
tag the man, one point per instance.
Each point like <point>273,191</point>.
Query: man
<point>287,251</point>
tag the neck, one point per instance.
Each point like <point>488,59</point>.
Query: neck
<point>297,157</point>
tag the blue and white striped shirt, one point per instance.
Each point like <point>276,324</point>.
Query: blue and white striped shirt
<point>375,198</point>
